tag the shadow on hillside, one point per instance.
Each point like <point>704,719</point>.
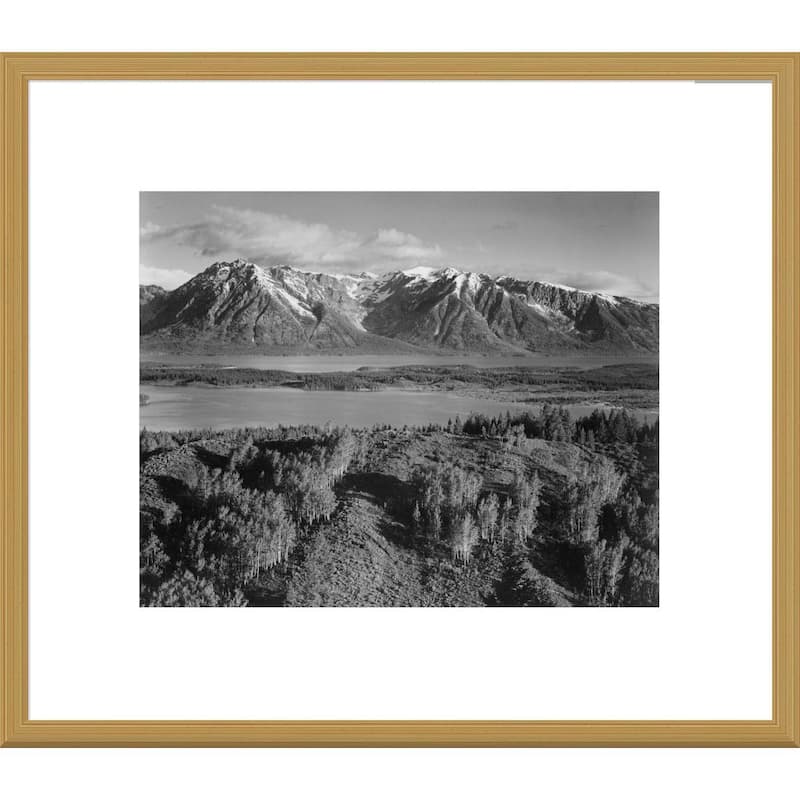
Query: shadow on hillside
<point>385,492</point>
<point>211,458</point>
<point>379,485</point>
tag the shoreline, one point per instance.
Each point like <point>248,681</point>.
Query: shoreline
<point>630,386</point>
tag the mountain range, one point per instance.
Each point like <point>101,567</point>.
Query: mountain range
<point>280,309</point>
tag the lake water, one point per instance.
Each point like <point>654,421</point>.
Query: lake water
<point>332,363</point>
<point>172,408</point>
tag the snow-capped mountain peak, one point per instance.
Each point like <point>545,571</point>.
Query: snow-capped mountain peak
<point>428,307</point>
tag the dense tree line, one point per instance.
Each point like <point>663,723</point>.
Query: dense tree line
<point>621,377</point>
<point>554,423</point>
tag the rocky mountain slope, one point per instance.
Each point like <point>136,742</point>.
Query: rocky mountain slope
<point>151,298</point>
<point>282,309</point>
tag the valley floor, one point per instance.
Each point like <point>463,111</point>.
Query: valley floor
<point>626,385</point>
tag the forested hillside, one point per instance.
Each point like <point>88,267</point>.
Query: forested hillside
<point>529,510</point>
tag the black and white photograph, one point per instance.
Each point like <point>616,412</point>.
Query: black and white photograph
<point>416,399</point>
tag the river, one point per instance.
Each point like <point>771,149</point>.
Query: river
<point>172,408</point>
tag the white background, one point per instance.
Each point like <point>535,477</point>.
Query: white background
<point>413,25</point>
<point>704,654</point>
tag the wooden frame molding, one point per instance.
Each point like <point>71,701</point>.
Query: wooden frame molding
<point>782,70</point>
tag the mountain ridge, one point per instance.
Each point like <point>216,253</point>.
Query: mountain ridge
<point>240,305</point>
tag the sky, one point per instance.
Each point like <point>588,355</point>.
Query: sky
<point>596,241</point>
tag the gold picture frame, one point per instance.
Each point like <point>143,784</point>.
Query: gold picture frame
<point>782,70</point>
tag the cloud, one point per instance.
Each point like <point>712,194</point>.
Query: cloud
<point>508,225</point>
<point>165,278</point>
<point>603,281</point>
<point>268,239</point>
